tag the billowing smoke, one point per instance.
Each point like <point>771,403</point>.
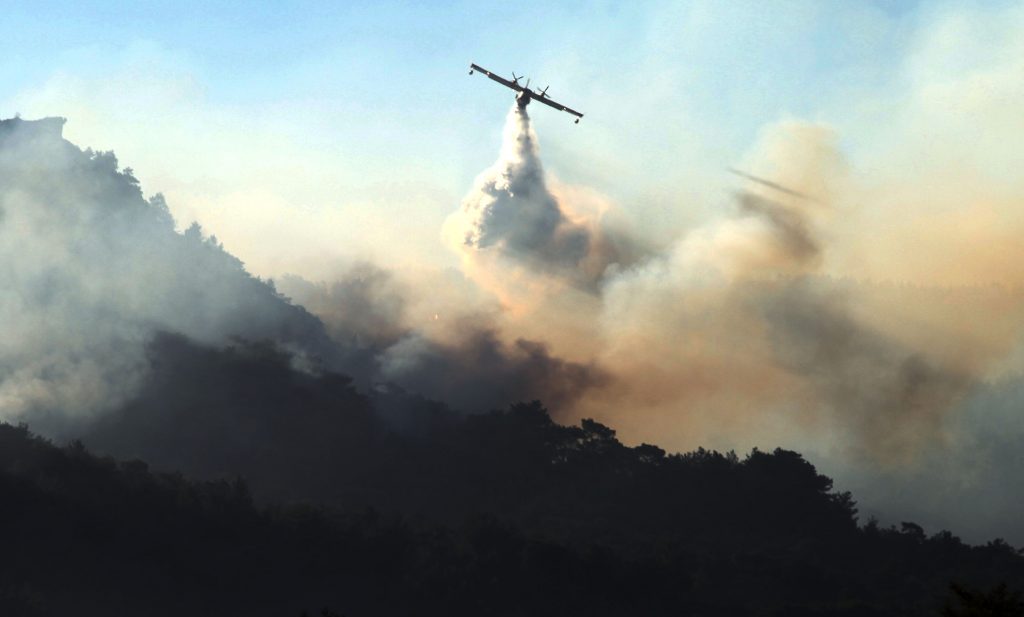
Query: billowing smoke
<point>395,333</point>
<point>891,399</point>
<point>480,370</point>
<point>95,271</point>
<point>738,335</point>
<point>741,334</point>
<point>91,270</point>
<point>511,216</point>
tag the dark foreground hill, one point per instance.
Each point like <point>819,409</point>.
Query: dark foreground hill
<point>501,514</point>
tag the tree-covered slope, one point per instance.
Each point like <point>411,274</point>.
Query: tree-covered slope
<point>541,519</point>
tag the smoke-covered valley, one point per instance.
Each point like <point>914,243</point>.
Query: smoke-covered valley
<point>158,344</point>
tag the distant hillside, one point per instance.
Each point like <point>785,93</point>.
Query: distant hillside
<point>96,271</point>
<point>91,270</point>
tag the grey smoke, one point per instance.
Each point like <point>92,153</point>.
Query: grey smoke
<point>367,310</point>
<point>970,485</point>
<point>363,310</point>
<point>480,371</point>
<point>92,271</point>
<point>895,399</point>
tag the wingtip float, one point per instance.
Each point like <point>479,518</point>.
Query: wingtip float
<point>525,94</point>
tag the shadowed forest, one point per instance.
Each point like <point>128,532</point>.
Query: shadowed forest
<point>222,461</point>
<point>506,513</point>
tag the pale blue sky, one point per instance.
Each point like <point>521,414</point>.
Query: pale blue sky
<point>390,56</point>
<point>378,92</point>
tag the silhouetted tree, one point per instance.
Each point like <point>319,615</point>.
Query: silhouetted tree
<point>998,601</point>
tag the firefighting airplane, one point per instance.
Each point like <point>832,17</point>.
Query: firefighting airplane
<point>525,94</point>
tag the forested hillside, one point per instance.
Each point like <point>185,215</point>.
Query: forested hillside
<point>533,518</point>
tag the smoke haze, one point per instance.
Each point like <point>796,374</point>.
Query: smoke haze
<point>735,328</point>
<point>99,271</point>
<point>741,333</point>
<point>93,270</point>
<point>768,324</point>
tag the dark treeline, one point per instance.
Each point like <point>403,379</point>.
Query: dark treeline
<point>427,512</point>
<point>297,436</point>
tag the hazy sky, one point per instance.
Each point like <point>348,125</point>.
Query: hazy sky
<point>334,126</point>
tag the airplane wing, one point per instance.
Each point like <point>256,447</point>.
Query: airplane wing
<point>500,80</point>
<point>558,106</point>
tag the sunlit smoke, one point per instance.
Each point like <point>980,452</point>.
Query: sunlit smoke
<point>739,332</point>
<point>736,334</point>
<point>512,220</point>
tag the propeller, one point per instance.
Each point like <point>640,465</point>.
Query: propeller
<point>544,92</point>
<point>514,78</point>
<point>527,83</point>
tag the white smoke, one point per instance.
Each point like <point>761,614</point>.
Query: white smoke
<point>91,270</point>
<point>512,216</point>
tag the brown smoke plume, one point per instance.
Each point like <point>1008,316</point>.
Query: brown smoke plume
<point>737,335</point>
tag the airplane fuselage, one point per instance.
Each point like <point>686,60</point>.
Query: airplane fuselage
<point>523,98</point>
